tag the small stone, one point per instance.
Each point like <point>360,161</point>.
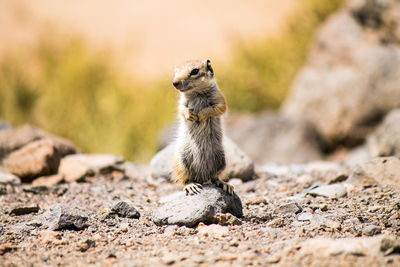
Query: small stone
<point>60,217</point>
<point>8,178</point>
<point>25,209</point>
<point>305,216</point>
<point>289,208</point>
<point>7,247</point>
<point>329,191</point>
<point>276,223</point>
<point>124,227</point>
<point>256,201</point>
<point>214,230</point>
<point>123,209</point>
<point>371,230</point>
<point>37,190</point>
<point>85,245</point>
<point>50,180</point>
<point>75,167</point>
<point>226,219</point>
<point>323,207</point>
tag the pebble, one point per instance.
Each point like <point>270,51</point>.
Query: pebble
<point>125,210</point>
<point>371,230</point>
<point>329,191</point>
<point>8,178</point>
<point>25,209</point>
<point>306,216</point>
<point>289,208</point>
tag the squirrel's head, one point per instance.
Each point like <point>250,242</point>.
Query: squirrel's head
<point>194,75</point>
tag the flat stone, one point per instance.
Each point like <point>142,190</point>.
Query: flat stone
<point>25,209</point>
<point>190,210</point>
<point>238,164</point>
<point>329,191</point>
<point>8,178</point>
<point>306,216</point>
<point>60,217</point>
<point>50,180</point>
<point>289,208</point>
<point>75,167</point>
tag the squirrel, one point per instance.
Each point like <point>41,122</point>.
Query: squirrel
<point>200,156</point>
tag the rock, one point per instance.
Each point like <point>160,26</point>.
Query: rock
<point>75,167</point>
<point>25,209</point>
<point>85,245</point>
<point>214,231</point>
<point>371,230</point>
<point>385,141</point>
<point>12,139</point>
<point>305,216</point>
<point>60,217</point>
<point>226,219</point>
<point>238,164</point>
<point>366,246</point>
<point>275,138</point>
<point>203,207</point>
<point>276,223</point>
<point>8,178</point>
<point>350,82</point>
<point>7,247</point>
<point>33,160</point>
<point>289,208</point>
<point>330,191</point>
<point>50,180</point>
<point>123,209</point>
<point>384,171</point>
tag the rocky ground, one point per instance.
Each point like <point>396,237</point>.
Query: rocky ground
<point>292,214</point>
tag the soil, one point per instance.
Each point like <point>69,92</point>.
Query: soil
<point>271,231</point>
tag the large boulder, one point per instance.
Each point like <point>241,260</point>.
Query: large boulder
<point>385,141</point>
<point>190,210</point>
<point>238,164</point>
<point>352,77</point>
<point>272,137</point>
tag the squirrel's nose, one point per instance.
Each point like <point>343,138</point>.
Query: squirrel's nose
<point>176,84</point>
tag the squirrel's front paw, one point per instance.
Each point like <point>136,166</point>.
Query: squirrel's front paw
<point>190,115</point>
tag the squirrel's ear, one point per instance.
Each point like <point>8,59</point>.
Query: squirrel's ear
<point>209,68</point>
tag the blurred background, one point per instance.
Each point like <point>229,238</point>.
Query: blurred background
<point>99,72</point>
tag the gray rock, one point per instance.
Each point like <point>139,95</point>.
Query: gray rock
<point>330,191</point>
<point>8,178</point>
<point>189,210</point>
<point>371,230</point>
<point>289,208</point>
<point>36,159</point>
<point>383,171</point>
<point>60,217</point>
<point>25,209</point>
<point>272,137</point>
<point>76,167</point>
<point>238,164</point>
<point>351,80</point>
<point>385,141</point>
<point>125,210</point>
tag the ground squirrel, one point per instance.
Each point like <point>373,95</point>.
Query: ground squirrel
<point>200,155</point>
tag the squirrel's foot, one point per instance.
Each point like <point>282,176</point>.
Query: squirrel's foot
<point>193,188</point>
<point>226,187</point>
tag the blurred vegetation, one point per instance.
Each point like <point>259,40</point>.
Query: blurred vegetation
<point>261,73</point>
<point>74,92</point>
<point>68,89</point>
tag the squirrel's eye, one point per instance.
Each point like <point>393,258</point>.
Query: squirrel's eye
<point>194,72</point>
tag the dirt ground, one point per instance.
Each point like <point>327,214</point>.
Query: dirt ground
<point>273,231</point>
